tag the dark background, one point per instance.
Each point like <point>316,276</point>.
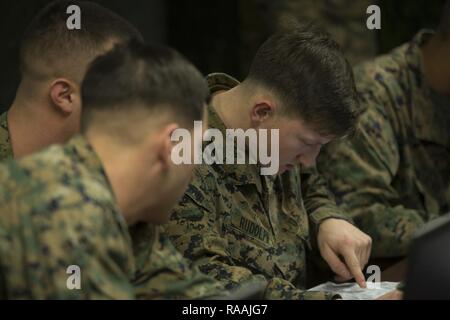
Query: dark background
<point>219,35</point>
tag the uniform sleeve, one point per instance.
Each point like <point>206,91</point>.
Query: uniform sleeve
<point>195,231</point>
<point>163,273</point>
<point>361,170</point>
<point>94,242</point>
<point>318,200</point>
<point>61,241</point>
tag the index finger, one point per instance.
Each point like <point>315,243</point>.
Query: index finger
<point>354,266</point>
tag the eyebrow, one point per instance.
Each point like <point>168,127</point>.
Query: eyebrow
<point>309,143</point>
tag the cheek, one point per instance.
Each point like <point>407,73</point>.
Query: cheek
<point>188,172</point>
<point>184,177</point>
<point>76,116</point>
<point>77,104</point>
<point>289,148</point>
<point>73,124</point>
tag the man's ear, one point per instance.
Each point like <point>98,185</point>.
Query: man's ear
<point>62,95</point>
<point>165,145</point>
<point>261,111</point>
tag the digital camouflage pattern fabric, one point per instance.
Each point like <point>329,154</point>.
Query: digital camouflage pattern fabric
<point>344,20</point>
<point>163,273</point>
<point>237,225</point>
<point>394,174</point>
<point>5,140</point>
<point>58,210</point>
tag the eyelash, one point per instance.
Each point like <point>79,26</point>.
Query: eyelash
<point>307,144</point>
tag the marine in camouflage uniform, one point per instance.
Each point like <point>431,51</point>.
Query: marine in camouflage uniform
<point>237,225</point>
<point>344,20</point>
<point>394,174</point>
<point>57,210</point>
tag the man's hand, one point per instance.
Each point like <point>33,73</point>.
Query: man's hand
<point>345,248</point>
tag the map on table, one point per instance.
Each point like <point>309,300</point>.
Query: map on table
<point>352,291</point>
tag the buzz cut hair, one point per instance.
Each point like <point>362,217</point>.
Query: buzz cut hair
<point>50,49</point>
<point>308,72</point>
<point>148,80</point>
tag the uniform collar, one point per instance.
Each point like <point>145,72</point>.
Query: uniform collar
<point>220,82</point>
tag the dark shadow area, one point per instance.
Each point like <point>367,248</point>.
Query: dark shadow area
<point>220,35</point>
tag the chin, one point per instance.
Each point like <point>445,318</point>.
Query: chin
<point>158,218</point>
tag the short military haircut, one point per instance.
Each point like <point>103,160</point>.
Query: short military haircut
<point>138,77</point>
<point>444,24</point>
<point>308,72</point>
<point>50,49</point>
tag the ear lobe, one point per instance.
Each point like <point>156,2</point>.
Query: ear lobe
<point>62,96</point>
<point>166,145</point>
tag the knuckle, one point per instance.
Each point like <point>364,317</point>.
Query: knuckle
<point>347,241</point>
<point>355,264</point>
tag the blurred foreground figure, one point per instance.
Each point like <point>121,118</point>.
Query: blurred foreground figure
<point>71,205</point>
<point>344,20</point>
<point>394,174</point>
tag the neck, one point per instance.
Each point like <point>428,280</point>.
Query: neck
<point>30,130</point>
<point>230,105</point>
<point>126,180</point>
<point>436,64</point>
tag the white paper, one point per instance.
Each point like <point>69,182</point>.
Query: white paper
<point>352,291</point>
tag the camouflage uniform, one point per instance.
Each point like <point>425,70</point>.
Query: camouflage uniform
<point>394,174</point>
<point>345,20</point>
<point>162,272</point>
<point>5,141</point>
<point>58,210</point>
<point>237,225</point>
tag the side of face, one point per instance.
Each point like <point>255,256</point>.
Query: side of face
<point>65,91</point>
<point>298,143</point>
<point>173,179</point>
<point>176,184</point>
